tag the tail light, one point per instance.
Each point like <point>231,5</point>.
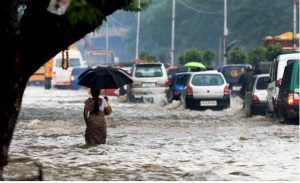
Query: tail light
<point>293,99</point>
<point>189,90</point>
<point>168,83</point>
<point>255,99</point>
<point>176,92</point>
<point>226,90</point>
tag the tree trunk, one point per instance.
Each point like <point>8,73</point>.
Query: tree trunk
<point>29,43</point>
<point>10,104</point>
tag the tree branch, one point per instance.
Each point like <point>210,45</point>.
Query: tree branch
<point>43,35</point>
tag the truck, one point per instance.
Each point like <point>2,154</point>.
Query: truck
<point>100,57</point>
<point>97,57</point>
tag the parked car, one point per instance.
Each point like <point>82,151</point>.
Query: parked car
<point>232,73</point>
<point>149,79</point>
<point>255,101</point>
<point>289,92</point>
<point>276,73</point>
<point>178,83</point>
<point>206,89</point>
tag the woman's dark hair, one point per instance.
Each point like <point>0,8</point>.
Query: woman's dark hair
<point>95,94</point>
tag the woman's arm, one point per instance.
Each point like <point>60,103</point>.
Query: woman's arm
<point>107,109</point>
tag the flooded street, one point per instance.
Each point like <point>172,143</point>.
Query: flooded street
<point>150,142</point>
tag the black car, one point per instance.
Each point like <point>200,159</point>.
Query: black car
<point>289,92</point>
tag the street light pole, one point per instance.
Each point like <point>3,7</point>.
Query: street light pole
<point>294,24</point>
<point>225,33</point>
<point>106,40</point>
<point>138,32</point>
<point>173,33</point>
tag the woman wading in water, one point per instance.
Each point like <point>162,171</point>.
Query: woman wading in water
<point>94,113</point>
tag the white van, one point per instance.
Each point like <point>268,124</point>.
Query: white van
<point>62,77</point>
<point>276,73</point>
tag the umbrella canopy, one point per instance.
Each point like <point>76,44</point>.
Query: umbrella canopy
<point>104,78</point>
<point>194,65</point>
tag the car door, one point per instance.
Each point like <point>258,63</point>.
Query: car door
<point>271,87</point>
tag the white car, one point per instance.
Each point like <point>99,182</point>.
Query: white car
<point>276,73</point>
<point>255,100</point>
<point>149,80</point>
<point>206,89</point>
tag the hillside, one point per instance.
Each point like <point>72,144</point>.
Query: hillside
<point>199,23</point>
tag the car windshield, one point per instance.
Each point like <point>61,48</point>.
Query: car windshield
<point>262,83</point>
<point>207,80</point>
<point>262,68</point>
<point>182,79</point>
<point>96,60</point>
<point>74,62</point>
<point>148,71</point>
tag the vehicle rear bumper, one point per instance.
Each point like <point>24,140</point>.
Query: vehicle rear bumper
<point>221,102</point>
<point>293,111</point>
<point>148,91</point>
<point>260,108</point>
<point>63,83</point>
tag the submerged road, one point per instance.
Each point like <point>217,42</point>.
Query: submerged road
<point>149,142</point>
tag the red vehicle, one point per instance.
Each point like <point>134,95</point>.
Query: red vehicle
<point>171,71</point>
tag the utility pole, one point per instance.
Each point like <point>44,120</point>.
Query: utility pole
<point>225,33</point>
<point>138,31</point>
<point>294,24</point>
<point>106,40</point>
<point>173,33</point>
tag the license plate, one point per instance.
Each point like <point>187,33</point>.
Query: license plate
<point>148,85</point>
<point>208,103</point>
<point>236,88</point>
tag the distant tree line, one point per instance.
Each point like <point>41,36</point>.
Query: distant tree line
<point>235,55</point>
<point>255,55</point>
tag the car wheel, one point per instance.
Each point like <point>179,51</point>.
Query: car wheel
<point>187,105</point>
<point>249,111</point>
<point>285,117</point>
<point>276,111</point>
<point>130,97</point>
<point>252,111</point>
<point>169,97</point>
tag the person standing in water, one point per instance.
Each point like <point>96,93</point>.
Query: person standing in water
<point>94,113</point>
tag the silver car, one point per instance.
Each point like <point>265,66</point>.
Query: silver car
<point>255,101</point>
<point>149,80</point>
<point>206,89</point>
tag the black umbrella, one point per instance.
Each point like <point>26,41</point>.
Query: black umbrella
<point>104,77</point>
